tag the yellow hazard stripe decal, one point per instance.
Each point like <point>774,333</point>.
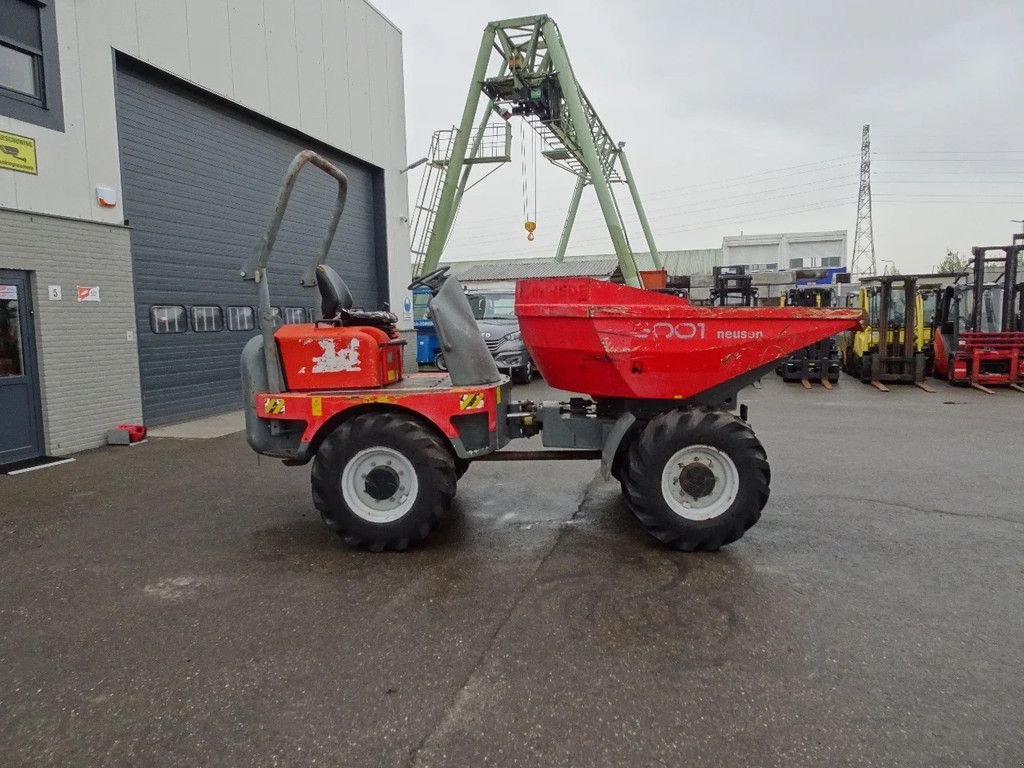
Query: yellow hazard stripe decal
<point>471,402</point>
<point>274,405</point>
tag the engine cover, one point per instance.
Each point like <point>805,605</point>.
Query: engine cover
<point>318,357</point>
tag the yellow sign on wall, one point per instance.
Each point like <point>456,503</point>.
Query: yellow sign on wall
<point>18,153</point>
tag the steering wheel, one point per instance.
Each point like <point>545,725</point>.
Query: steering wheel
<point>427,280</point>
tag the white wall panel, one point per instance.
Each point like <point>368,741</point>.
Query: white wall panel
<point>120,23</point>
<point>312,83</point>
<point>61,157</point>
<point>753,254</point>
<point>396,199</point>
<point>379,94</point>
<point>163,35</point>
<point>358,15</point>
<point>819,249</point>
<point>395,84</point>
<point>249,54</point>
<point>339,91</point>
<point>8,198</point>
<point>98,127</point>
<point>209,50</point>
<point>282,61</point>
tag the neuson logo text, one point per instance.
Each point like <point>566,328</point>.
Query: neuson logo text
<point>740,334</point>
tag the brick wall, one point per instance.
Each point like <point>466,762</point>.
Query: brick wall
<point>88,360</point>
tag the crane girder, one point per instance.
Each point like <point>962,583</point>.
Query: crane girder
<point>535,82</point>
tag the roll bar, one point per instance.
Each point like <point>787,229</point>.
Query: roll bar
<point>255,268</point>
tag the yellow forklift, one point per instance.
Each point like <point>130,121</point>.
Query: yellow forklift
<point>891,348</point>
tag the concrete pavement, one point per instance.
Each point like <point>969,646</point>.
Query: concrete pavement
<point>182,604</point>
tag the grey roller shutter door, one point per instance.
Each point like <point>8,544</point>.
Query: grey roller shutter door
<point>199,178</point>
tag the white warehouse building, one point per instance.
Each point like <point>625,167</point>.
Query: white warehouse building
<point>790,250</point>
<point>142,145</point>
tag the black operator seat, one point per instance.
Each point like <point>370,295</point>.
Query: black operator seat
<point>336,303</point>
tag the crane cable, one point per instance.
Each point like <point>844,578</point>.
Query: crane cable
<point>530,223</point>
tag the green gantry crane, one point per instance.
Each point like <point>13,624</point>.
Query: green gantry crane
<point>534,81</point>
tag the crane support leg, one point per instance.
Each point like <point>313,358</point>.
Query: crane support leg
<point>448,206</point>
<point>659,263</point>
<point>570,218</point>
<point>573,102</point>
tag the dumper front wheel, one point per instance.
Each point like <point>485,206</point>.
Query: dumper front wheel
<point>383,481</point>
<point>696,479</point>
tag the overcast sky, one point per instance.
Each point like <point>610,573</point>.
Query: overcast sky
<point>746,117</point>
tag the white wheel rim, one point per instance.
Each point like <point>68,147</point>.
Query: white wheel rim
<point>379,485</point>
<point>699,482</point>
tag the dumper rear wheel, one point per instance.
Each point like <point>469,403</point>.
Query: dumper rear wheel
<point>383,481</point>
<point>696,479</point>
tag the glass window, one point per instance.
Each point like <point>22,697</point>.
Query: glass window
<point>295,314</point>
<point>19,22</point>
<point>420,302</point>
<point>241,319</point>
<point>832,261</point>
<point>21,51</point>
<point>493,306</point>
<point>19,71</point>
<point>897,307</point>
<point>796,263</point>
<point>929,301</point>
<point>311,315</point>
<point>11,361</point>
<point>29,63</point>
<point>991,309</point>
<point>168,318</point>
<point>207,319</point>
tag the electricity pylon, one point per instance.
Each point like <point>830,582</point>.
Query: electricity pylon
<point>863,261</point>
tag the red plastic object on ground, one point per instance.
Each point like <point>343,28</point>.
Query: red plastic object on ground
<point>136,432</point>
<point>608,340</point>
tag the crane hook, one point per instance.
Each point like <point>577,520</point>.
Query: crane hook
<point>530,227</point>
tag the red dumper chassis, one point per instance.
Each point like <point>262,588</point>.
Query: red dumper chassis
<point>660,377</point>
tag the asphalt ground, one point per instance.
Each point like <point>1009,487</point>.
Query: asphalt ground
<point>180,603</point>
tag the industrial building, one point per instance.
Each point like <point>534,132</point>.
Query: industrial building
<point>786,251</point>
<point>777,261</point>
<point>143,144</point>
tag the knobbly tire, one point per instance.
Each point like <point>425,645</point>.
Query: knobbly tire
<point>523,375</point>
<point>383,481</point>
<point>696,479</point>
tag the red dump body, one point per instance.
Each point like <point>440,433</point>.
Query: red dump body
<point>610,340</point>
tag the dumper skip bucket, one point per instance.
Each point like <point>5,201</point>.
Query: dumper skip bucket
<point>608,340</point>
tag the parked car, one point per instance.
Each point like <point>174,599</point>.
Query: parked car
<point>495,314</point>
